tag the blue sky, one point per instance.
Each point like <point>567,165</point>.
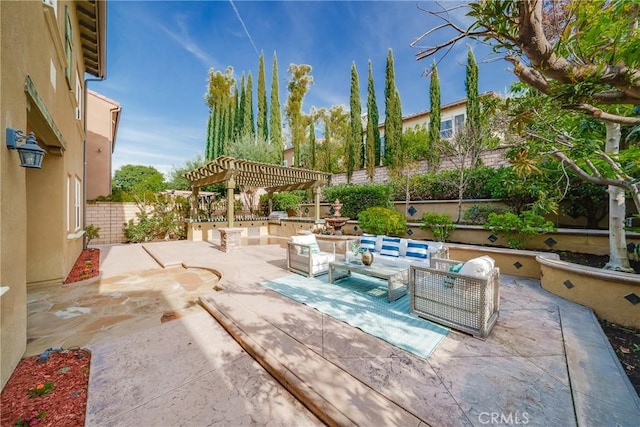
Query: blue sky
<point>159,54</point>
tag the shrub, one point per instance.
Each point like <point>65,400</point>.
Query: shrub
<point>162,218</point>
<point>478,214</point>
<point>439,224</point>
<point>379,220</point>
<point>518,228</point>
<point>91,232</point>
<point>356,198</point>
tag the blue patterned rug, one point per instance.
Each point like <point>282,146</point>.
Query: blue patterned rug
<point>361,301</point>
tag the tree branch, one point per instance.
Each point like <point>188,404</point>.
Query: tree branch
<point>603,115</point>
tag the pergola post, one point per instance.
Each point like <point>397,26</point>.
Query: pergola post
<point>316,193</point>
<point>270,202</point>
<point>193,203</point>
<point>231,185</point>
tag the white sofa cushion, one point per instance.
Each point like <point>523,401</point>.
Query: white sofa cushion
<point>478,267</point>
<point>307,239</point>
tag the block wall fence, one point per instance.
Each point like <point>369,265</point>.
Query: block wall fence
<point>110,217</point>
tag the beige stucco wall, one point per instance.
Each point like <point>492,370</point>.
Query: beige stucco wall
<point>102,116</point>
<point>36,247</point>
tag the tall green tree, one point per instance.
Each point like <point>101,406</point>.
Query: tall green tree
<point>473,100</point>
<point>275,116</point>
<point>299,82</point>
<point>138,179</point>
<point>578,60</point>
<point>242,102</point>
<point>312,144</point>
<point>220,96</point>
<point>373,118</point>
<point>434,102</point>
<point>263,128</point>
<point>353,147</point>
<point>393,116</point>
<point>248,124</point>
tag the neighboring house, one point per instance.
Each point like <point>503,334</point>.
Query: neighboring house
<point>103,117</point>
<point>46,47</point>
<point>452,118</point>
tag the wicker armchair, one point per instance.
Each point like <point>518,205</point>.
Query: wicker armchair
<point>465,302</point>
<point>308,256</point>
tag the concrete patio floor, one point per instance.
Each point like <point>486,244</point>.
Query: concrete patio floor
<point>547,361</point>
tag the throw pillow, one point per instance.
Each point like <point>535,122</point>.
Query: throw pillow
<point>390,246</point>
<point>448,281</point>
<point>478,267</point>
<point>417,249</point>
<point>368,241</point>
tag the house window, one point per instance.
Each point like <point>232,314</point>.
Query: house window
<point>446,129</point>
<point>68,45</point>
<point>78,97</point>
<point>458,122</point>
<point>77,204</point>
<point>74,204</point>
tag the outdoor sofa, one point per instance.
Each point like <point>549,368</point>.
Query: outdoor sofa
<point>462,295</point>
<point>402,252</point>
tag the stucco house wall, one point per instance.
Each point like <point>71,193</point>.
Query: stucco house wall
<point>42,80</point>
<point>103,117</point>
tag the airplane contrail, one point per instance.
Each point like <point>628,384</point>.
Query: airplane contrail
<point>244,26</point>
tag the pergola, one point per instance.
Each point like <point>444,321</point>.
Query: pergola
<point>237,172</point>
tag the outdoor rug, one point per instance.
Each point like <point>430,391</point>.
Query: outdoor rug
<point>361,301</point>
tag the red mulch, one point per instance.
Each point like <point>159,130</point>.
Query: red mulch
<point>87,266</point>
<point>65,405</point>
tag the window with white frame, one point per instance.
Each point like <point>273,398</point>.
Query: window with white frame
<point>446,129</point>
<point>68,45</point>
<point>78,204</point>
<point>78,97</point>
<point>458,122</point>
<point>69,205</point>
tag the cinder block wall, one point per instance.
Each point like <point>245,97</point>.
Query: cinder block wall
<point>110,217</point>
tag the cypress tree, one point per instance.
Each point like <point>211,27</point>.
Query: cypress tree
<point>241,107</point>
<point>263,130</point>
<point>373,117</point>
<point>434,100</point>
<point>275,117</point>
<point>248,120</point>
<point>471,85</point>
<point>393,116</point>
<point>312,141</point>
<point>208,147</point>
<point>354,143</point>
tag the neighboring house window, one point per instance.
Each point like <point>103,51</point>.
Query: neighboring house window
<point>446,129</point>
<point>284,163</point>
<point>68,45</point>
<point>458,122</point>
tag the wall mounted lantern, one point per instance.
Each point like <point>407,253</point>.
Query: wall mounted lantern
<point>31,154</point>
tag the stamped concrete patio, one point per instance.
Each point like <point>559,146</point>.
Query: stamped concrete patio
<point>547,361</point>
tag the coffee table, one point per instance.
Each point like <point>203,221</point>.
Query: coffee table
<point>396,277</point>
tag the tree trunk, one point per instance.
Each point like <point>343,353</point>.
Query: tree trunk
<point>618,258</point>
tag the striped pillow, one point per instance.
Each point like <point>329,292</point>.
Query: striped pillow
<point>368,241</point>
<point>390,246</point>
<point>417,249</point>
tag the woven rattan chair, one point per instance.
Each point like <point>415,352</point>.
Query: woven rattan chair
<point>463,302</point>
